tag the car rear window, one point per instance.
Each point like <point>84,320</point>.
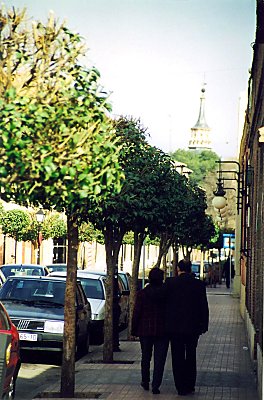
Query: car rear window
<point>93,288</point>
<point>14,270</point>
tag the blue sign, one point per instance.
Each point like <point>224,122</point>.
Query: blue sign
<point>229,241</point>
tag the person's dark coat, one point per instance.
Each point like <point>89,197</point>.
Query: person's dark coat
<point>148,320</point>
<point>186,305</point>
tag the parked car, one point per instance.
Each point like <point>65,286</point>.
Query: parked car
<point>57,267</point>
<point>125,276</point>
<point>36,307</point>
<point>123,295</point>
<point>196,267</point>
<point>12,354</point>
<point>23,270</point>
<point>94,285</point>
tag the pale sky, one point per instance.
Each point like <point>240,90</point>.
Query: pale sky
<point>155,55</point>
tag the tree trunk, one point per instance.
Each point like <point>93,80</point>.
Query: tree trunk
<point>108,321</point>
<point>165,266</point>
<point>165,243</point>
<point>69,346</point>
<point>33,252</point>
<point>138,243</point>
<point>113,240</point>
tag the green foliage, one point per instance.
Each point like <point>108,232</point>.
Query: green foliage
<point>56,145</point>
<point>2,211</point>
<point>88,233</point>
<point>202,163</point>
<point>54,226</point>
<point>15,223</point>
<point>129,238</point>
<point>152,190</point>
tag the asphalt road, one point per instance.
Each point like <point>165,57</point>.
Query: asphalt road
<point>41,369</point>
<point>37,371</point>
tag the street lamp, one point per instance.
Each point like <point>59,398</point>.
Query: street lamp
<point>230,175</point>
<point>219,201</point>
<point>40,216</point>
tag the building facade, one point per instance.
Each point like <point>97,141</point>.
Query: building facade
<point>252,214</point>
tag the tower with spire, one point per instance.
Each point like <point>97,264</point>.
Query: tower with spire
<point>200,133</point>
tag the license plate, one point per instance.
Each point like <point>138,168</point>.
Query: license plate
<point>31,337</point>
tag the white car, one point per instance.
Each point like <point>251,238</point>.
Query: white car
<point>93,284</point>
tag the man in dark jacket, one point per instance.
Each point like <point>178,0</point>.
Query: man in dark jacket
<point>228,268</point>
<point>148,324</point>
<point>186,319</point>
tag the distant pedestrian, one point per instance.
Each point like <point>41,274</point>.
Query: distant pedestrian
<point>186,319</point>
<point>148,324</point>
<point>228,268</point>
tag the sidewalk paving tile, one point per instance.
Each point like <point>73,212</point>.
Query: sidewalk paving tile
<point>224,368</point>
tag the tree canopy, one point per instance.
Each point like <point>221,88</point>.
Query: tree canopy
<point>202,163</point>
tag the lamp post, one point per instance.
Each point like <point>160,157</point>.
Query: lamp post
<point>40,216</point>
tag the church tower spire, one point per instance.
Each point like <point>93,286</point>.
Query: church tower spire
<point>200,133</point>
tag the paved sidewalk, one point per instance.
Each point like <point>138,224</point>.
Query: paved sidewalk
<point>224,367</point>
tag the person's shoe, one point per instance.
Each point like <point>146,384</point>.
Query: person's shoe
<point>145,385</point>
<point>117,349</point>
<point>155,391</point>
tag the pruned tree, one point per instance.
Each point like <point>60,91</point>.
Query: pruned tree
<point>150,182</point>
<point>15,224</point>
<point>57,148</point>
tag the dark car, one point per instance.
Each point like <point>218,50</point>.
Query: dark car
<point>12,356</point>
<point>125,276</point>
<point>36,307</point>
<point>23,270</point>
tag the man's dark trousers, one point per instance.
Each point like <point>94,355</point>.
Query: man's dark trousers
<point>183,351</point>
<point>160,346</point>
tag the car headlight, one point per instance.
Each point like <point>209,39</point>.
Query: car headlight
<point>8,353</point>
<point>53,326</point>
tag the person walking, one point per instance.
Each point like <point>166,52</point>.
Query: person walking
<point>186,318</point>
<point>228,268</point>
<point>148,324</point>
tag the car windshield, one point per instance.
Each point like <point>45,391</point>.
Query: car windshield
<point>33,290</point>
<point>22,270</point>
<point>93,288</point>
